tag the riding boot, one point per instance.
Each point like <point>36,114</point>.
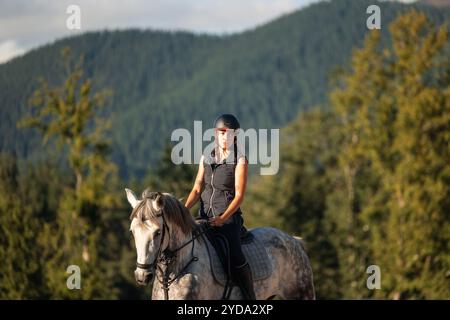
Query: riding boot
<point>244,279</point>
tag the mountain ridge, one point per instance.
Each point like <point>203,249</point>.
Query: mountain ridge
<point>165,80</point>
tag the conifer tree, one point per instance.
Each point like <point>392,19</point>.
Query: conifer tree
<point>69,116</point>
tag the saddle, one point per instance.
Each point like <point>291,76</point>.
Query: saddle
<point>252,248</point>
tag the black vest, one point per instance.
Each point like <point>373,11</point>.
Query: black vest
<point>219,188</point>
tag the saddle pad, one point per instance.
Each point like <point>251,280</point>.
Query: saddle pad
<point>256,255</point>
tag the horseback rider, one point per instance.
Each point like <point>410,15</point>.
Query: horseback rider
<point>223,174</point>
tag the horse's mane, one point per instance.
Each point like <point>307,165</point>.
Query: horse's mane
<point>173,210</point>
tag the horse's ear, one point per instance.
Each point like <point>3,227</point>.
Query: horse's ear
<point>131,197</point>
<point>159,201</point>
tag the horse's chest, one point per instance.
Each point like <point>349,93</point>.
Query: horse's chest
<point>187,287</point>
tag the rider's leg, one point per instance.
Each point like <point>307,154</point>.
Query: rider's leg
<point>239,265</point>
<point>244,278</point>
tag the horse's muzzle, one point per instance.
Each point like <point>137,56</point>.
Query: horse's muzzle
<point>143,277</point>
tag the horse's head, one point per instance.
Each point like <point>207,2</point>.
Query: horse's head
<point>150,231</point>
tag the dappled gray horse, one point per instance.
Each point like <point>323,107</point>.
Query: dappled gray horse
<point>171,249</point>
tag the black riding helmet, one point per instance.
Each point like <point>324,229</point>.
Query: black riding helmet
<point>228,121</point>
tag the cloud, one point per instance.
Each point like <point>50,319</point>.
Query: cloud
<point>8,50</point>
<point>35,22</point>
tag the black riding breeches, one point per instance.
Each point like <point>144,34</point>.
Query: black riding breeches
<point>231,229</point>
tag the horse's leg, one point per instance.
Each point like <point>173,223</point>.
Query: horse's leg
<point>197,284</point>
<point>186,287</point>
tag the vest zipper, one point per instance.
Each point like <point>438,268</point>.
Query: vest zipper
<point>212,194</point>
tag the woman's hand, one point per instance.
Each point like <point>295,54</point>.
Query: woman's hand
<point>217,221</point>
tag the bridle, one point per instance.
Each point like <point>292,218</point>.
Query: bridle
<point>167,256</point>
<point>153,265</point>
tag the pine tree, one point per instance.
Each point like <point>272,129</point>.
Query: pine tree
<point>356,93</point>
<point>294,199</point>
<point>394,106</point>
<point>20,270</point>
<point>415,250</point>
<point>69,116</point>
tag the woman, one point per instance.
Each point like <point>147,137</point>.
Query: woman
<point>223,173</point>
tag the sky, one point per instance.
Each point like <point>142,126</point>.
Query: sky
<point>25,24</point>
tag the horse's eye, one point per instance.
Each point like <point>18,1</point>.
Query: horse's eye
<point>157,233</point>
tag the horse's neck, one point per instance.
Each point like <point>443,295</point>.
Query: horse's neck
<point>184,254</point>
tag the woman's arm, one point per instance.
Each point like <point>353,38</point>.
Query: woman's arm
<point>240,185</point>
<point>197,188</point>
